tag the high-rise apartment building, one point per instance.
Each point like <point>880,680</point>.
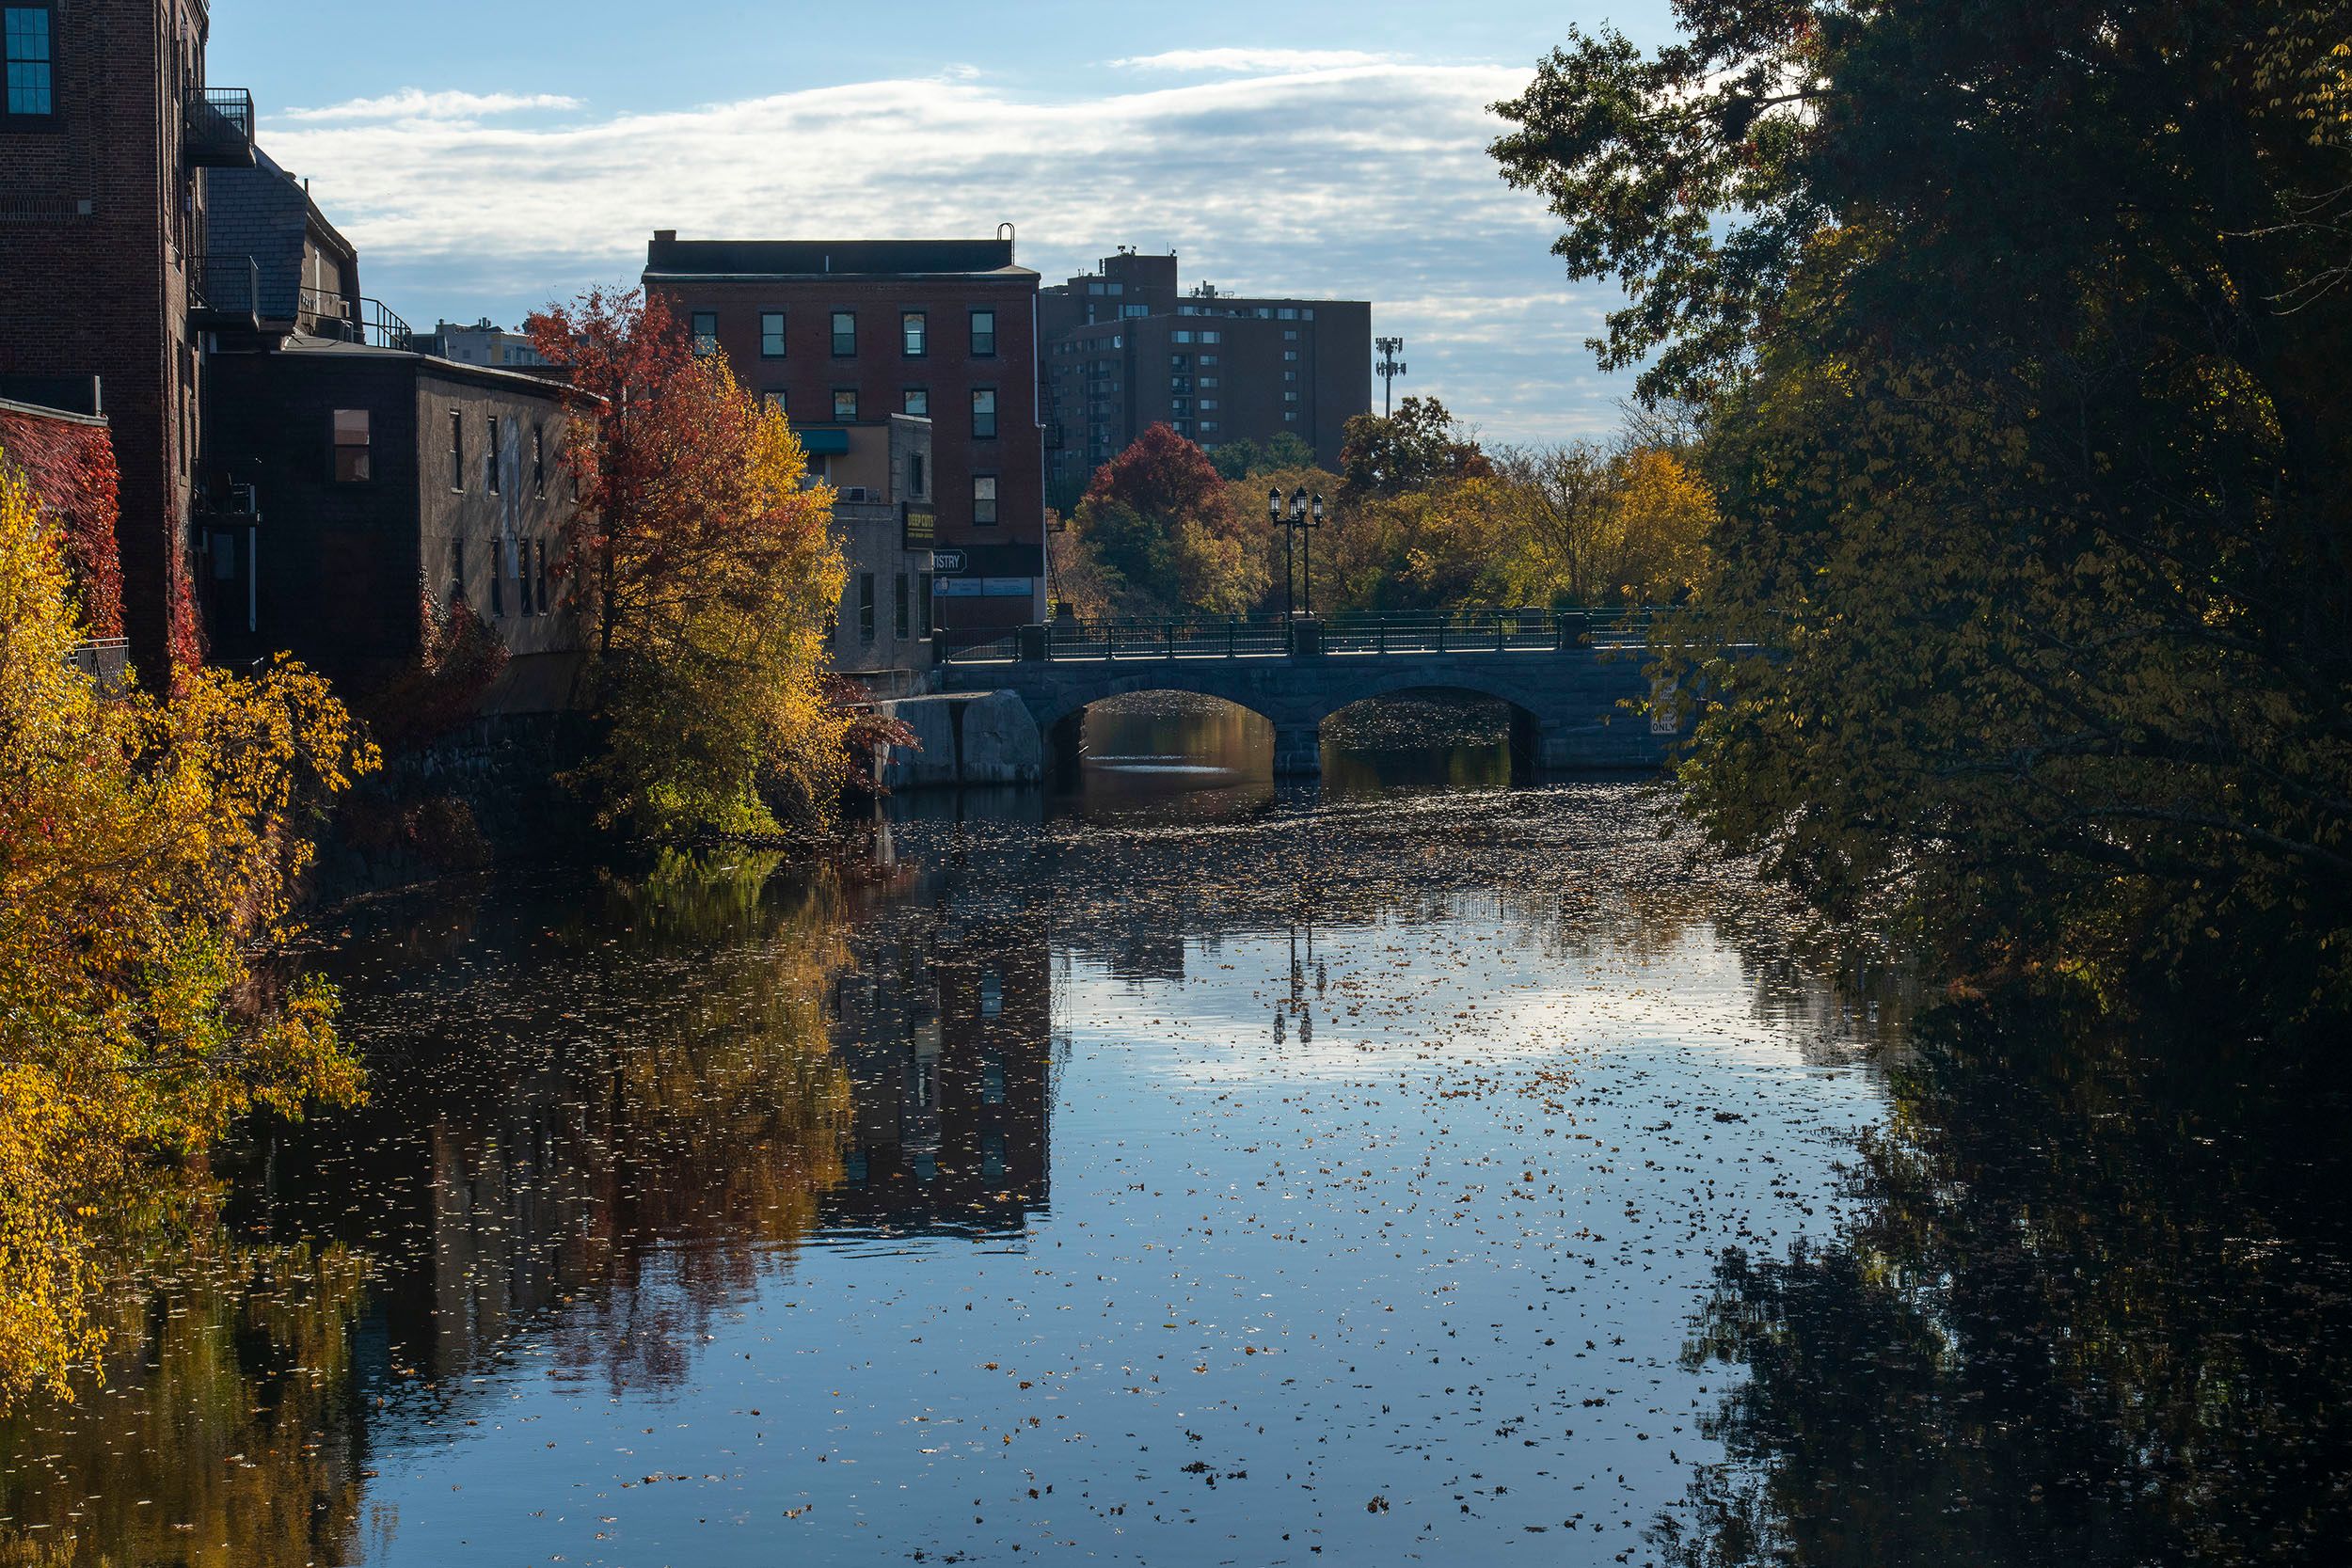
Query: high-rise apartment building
<point>106,128</point>
<point>1122,349</point>
<point>846,333</point>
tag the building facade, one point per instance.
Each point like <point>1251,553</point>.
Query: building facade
<point>107,129</point>
<point>483,343</point>
<point>369,488</point>
<point>847,333</point>
<point>884,521</point>
<point>1122,349</point>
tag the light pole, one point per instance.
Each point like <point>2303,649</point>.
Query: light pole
<point>1274,517</point>
<point>1306,515</point>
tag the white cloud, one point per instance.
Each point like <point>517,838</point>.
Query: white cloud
<point>1371,183</point>
<point>416,104</point>
<point>1251,60</point>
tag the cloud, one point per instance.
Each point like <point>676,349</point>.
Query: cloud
<point>1282,61</point>
<point>1371,183</point>
<point>416,104</point>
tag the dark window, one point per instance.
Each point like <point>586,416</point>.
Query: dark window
<point>705,333</point>
<point>915,476</point>
<point>919,402</point>
<point>866,607</point>
<point>984,500</point>
<point>25,38</point>
<point>983,332</point>
<point>844,405</point>
<point>916,327</point>
<point>498,582</point>
<point>354,462</point>
<point>771,334</point>
<point>490,459</point>
<point>983,411</point>
<point>538,460</point>
<point>899,607</point>
<point>456,573</point>
<point>456,450</point>
<point>923,603</point>
<point>540,550</point>
<point>845,333</point>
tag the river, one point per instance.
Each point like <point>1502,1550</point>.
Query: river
<point>1185,1170</point>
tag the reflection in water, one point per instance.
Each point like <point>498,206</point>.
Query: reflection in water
<point>1395,1142</point>
<point>2094,1305</point>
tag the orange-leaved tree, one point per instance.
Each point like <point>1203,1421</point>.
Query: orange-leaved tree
<point>1157,524</point>
<point>707,572</point>
<point>144,846</point>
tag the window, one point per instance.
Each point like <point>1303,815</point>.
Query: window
<point>353,461</point>
<point>539,463</point>
<point>1182,337</point>
<point>1178,361</point>
<point>922,603</point>
<point>774,400</point>
<point>984,500</point>
<point>706,334</point>
<point>1290,397</point>
<point>540,550</point>
<point>1306,315</point>
<point>497,583</point>
<point>983,333</point>
<point>1290,337</point>
<point>1130,311</point>
<point>25,38</point>
<point>1290,355</point>
<point>844,334</point>
<point>1208,383</point>
<point>1208,359</point>
<point>771,334</point>
<point>900,611</point>
<point>456,450</point>
<point>919,402</point>
<point>456,573</point>
<point>1212,337</point>
<point>1288,314</point>
<point>844,405</point>
<point>915,328</point>
<point>490,459</point>
<point>915,477</point>
<point>983,412</point>
<point>1208,405</point>
<point>866,607</point>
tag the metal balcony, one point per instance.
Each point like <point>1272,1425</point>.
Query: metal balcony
<point>224,293</point>
<point>219,129</point>
<point>353,321</point>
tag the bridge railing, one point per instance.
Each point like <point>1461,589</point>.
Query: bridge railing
<point>1349,633</point>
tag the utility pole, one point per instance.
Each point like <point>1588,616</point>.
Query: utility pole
<point>1390,368</point>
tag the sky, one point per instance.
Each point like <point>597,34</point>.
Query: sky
<point>489,158</point>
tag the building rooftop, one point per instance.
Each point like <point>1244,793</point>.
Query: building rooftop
<point>669,257</point>
<point>333,348</point>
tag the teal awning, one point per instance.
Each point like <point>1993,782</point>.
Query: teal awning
<point>824,443</point>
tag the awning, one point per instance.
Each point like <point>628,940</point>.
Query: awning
<point>824,443</point>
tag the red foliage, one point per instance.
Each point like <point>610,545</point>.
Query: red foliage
<point>1162,475</point>
<point>457,658</point>
<point>71,468</point>
<point>868,736</point>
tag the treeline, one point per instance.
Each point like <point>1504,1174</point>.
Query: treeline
<point>1419,515</point>
<point>2018,335</point>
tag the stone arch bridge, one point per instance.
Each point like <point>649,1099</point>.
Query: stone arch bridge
<point>1568,691</point>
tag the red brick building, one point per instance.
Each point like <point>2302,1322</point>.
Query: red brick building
<point>1124,350</point>
<point>105,127</point>
<point>846,333</point>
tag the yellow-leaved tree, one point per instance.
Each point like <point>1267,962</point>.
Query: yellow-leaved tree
<point>145,846</point>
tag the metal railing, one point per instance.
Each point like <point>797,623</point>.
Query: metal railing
<point>219,128</point>
<point>362,320</point>
<point>225,288</point>
<point>103,659</point>
<point>1348,634</point>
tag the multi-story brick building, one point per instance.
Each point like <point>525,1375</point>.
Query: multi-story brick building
<point>106,126</point>
<point>848,333</point>
<point>1122,350</point>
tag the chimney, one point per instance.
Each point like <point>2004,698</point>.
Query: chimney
<point>664,236</point>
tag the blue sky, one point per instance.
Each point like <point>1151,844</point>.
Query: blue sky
<point>488,158</point>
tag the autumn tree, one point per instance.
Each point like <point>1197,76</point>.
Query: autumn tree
<point>144,846</point>
<point>1157,523</point>
<point>1246,459</point>
<point>2022,327</point>
<point>1418,445</point>
<point>706,568</point>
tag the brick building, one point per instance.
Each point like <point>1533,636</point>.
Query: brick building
<point>106,128</point>
<point>1122,350</point>
<point>884,521</point>
<point>848,333</point>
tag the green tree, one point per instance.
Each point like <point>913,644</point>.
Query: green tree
<point>1417,446</point>
<point>1246,459</point>
<point>2021,326</point>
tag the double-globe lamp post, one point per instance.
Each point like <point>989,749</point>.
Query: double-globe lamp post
<point>1306,511</point>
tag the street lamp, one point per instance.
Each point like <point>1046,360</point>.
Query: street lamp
<point>1306,512</point>
<point>1274,517</point>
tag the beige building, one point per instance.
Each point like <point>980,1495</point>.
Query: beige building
<point>883,519</point>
